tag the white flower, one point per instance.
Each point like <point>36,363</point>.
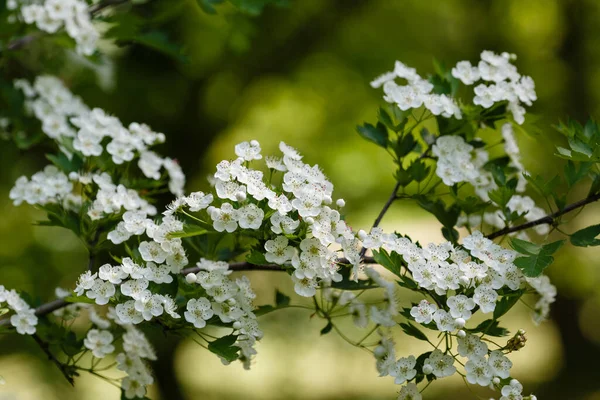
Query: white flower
<point>478,371</point>
<point>512,391</point>
<point>305,286</point>
<point>170,306</point>
<point>99,342</point>
<point>471,346</point>
<point>127,314</point>
<point>198,311</point>
<point>131,268</point>
<point>403,369</point>
<point>152,251</point>
<point>500,364</point>
<point>101,291</point>
<point>133,388</point>
<point>85,282</point>
<point>410,392</point>
<point>444,321</point>
<point>198,201</point>
<point>248,150</point>
<point>460,306</point>
<point>112,274</point>
<point>441,364</point>
<point>250,217</point>
<point>423,312</point>
<point>24,321</point>
<point>485,297</point>
<point>466,72</point>
<point>150,306</point>
<point>157,273</point>
<point>135,288</point>
<point>278,251</point>
<point>282,224</point>
<point>224,218</point>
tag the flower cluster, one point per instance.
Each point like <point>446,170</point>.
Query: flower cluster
<point>231,303</point>
<point>92,133</point>
<point>294,215</point>
<point>24,319</point>
<point>53,15</point>
<point>47,186</point>
<point>416,93</point>
<point>508,84</point>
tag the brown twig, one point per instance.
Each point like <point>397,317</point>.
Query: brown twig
<point>548,219</point>
<point>61,366</point>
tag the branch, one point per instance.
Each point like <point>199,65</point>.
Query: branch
<point>548,219</point>
<point>62,367</point>
<point>57,304</point>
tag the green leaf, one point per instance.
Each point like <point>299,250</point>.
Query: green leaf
<point>447,216</point>
<point>544,186</point>
<point>376,134</point>
<point>392,262</point>
<point>62,162</point>
<point>403,176</point>
<point>408,283</point>
<point>501,196</point>
<point>586,236</point>
<point>281,300</point>
<point>418,170</point>
<point>506,303</point>
<point>327,328</point>
<point>256,258</point>
<point>79,299</point>
<point>189,230</point>
<point>404,145</point>
<point>574,174</point>
<point>70,345</point>
<point>535,264</point>
<point>264,309</point>
<point>413,331</point>
<point>489,327</point>
<point>525,247</point>
<point>223,347</point>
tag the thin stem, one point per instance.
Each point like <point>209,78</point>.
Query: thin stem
<point>548,219</point>
<point>62,367</point>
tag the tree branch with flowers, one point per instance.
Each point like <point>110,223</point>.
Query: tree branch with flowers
<point>172,269</point>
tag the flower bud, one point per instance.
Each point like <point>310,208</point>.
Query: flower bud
<point>327,200</point>
<point>237,325</point>
<point>496,380</point>
<point>310,220</point>
<point>254,143</point>
<point>191,278</point>
<point>459,323</point>
<point>461,334</point>
<point>240,196</point>
<point>379,352</point>
<point>340,203</point>
<point>362,234</point>
<point>427,369</point>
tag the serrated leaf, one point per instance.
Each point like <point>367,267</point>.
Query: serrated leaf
<point>413,331</point>
<point>506,303</point>
<point>223,347</point>
<point>376,134</point>
<point>189,230</point>
<point>586,237</point>
<point>405,145</point>
<point>392,262</point>
<point>489,327</point>
<point>256,258</point>
<point>535,264</point>
<point>281,300</point>
<point>525,247</point>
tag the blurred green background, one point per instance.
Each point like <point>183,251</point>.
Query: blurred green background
<point>300,74</point>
